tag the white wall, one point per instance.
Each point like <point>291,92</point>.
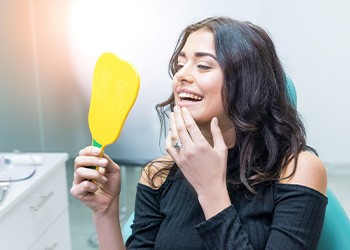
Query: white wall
<point>146,38</point>
<point>313,40</point>
<point>47,64</point>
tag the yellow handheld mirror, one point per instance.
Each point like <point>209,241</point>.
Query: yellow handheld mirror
<point>115,87</point>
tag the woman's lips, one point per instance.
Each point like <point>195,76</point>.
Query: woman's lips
<point>185,96</point>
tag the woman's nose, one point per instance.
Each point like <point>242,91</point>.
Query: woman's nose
<point>184,75</point>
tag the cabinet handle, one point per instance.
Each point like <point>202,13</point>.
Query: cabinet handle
<point>52,247</point>
<point>44,199</point>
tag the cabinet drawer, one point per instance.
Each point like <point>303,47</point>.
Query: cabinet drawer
<point>30,218</point>
<point>57,237</point>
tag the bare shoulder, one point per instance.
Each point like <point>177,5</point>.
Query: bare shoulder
<point>310,172</point>
<point>155,172</point>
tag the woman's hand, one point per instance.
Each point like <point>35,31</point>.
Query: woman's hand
<point>102,194</point>
<point>203,165</point>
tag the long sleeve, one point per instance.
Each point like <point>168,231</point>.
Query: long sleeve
<point>147,218</point>
<point>280,216</point>
<point>298,218</point>
<point>224,231</point>
<point>296,223</point>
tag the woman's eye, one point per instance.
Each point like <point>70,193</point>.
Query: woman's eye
<point>204,67</point>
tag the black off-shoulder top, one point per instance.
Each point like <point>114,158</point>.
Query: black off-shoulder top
<point>279,216</point>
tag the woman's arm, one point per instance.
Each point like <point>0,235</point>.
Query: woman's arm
<point>109,230</point>
<point>147,217</point>
<point>100,195</point>
<point>299,211</point>
<point>299,208</point>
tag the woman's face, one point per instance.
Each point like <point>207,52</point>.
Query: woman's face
<point>198,82</point>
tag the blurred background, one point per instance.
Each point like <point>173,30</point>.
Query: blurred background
<point>48,50</point>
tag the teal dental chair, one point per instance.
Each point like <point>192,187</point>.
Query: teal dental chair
<point>336,228</point>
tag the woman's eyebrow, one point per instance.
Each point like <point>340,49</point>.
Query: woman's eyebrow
<point>202,54</point>
<point>199,54</point>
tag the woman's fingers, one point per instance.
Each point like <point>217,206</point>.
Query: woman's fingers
<point>172,137</point>
<point>88,161</point>
<point>173,141</point>
<point>81,174</point>
<point>90,150</point>
<point>183,130</point>
<point>180,127</point>
<point>218,139</point>
<point>83,189</point>
<point>173,134</point>
<point>191,127</point>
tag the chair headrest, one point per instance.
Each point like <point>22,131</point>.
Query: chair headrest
<point>291,92</point>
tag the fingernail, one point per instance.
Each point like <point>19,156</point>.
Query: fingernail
<point>176,108</point>
<point>102,162</point>
<point>184,109</point>
<point>216,121</point>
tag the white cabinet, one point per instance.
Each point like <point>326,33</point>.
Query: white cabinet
<point>34,214</point>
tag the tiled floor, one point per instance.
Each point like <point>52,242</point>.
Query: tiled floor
<point>83,231</point>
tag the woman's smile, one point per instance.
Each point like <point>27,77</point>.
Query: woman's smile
<point>188,97</point>
<point>198,81</point>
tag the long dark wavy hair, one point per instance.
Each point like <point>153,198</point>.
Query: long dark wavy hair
<point>269,131</point>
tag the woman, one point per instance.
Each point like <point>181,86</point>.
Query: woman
<point>238,174</point>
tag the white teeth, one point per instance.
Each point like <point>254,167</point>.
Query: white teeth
<point>192,96</point>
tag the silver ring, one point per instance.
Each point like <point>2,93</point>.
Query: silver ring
<point>177,145</point>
